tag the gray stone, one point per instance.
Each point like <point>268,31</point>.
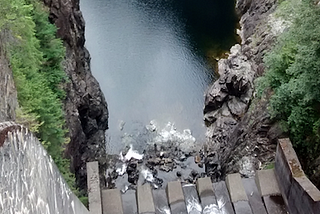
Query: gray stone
<point>235,187</point>
<point>176,198</point>
<point>8,92</point>
<point>232,120</point>
<point>242,207</point>
<point>145,199</point>
<point>267,182</point>
<point>254,196</point>
<point>111,201</point>
<point>94,192</point>
<point>129,202</point>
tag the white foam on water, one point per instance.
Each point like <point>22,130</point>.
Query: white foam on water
<point>130,154</point>
<point>147,174</point>
<point>211,209</point>
<point>221,203</point>
<point>193,206</point>
<point>164,210</point>
<point>170,134</point>
<point>121,170</point>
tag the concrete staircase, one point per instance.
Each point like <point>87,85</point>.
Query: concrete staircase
<point>236,195</point>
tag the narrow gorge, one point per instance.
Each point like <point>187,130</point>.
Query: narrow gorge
<point>180,82</point>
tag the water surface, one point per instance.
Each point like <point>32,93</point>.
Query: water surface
<point>150,61</point>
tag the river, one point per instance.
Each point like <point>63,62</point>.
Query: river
<point>151,58</point>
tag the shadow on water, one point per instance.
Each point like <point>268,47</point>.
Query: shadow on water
<point>154,59</point>
<point>211,26</point>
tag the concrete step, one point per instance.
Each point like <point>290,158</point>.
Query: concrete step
<point>111,201</point>
<point>207,196</point>
<point>161,201</point>
<point>270,192</point>
<point>145,200</point>
<point>191,198</point>
<point>267,183</point>
<point>129,202</point>
<point>223,198</point>
<point>234,196</point>
<point>176,198</point>
<point>254,196</point>
<point>237,194</point>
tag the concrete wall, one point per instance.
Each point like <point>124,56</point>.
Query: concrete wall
<point>29,180</point>
<point>299,194</point>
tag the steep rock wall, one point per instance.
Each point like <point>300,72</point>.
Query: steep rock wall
<point>85,105</point>
<point>29,180</point>
<point>240,135</point>
<point>8,92</point>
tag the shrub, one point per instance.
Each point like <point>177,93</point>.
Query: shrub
<point>293,72</point>
<point>36,56</point>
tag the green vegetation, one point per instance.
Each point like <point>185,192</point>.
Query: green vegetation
<point>293,73</point>
<point>269,165</point>
<point>36,57</point>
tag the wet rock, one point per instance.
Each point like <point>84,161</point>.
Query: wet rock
<point>154,172</point>
<point>85,107</point>
<point>182,157</point>
<point>189,179</point>
<point>114,175</point>
<point>167,160</point>
<point>165,168</point>
<point>133,178</point>
<point>200,165</point>
<point>197,159</point>
<point>157,183</point>
<point>154,161</point>
<point>194,173</point>
<point>234,128</point>
<point>8,92</point>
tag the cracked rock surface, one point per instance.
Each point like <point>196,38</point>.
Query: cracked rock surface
<point>85,105</point>
<point>240,135</point>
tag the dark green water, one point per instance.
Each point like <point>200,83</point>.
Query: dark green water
<point>152,60</point>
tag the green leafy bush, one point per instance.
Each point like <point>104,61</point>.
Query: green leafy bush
<point>293,72</point>
<point>36,57</point>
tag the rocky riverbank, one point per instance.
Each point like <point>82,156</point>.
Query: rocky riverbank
<point>240,133</point>
<point>85,106</point>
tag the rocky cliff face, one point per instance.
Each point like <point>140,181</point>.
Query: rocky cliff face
<point>85,106</point>
<point>8,92</point>
<point>240,135</point>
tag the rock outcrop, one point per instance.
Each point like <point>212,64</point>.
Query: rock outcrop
<point>8,92</point>
<point>85,106</point>
<point>240,135</point>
